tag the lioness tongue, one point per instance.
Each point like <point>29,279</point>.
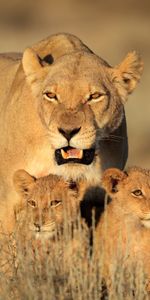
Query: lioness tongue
<point>72,153</point>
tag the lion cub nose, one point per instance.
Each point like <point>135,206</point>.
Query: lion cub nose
<point>68,134</point>
<point>37,227</point>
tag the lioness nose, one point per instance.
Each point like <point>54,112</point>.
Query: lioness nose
<point>68,134</point>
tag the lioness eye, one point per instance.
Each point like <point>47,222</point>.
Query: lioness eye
<point>137,193</point>
<point>32,203</point>
<point>96,96</point>
<point>50,96</point>
<point>55,202</point>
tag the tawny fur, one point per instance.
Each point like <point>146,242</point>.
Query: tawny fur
<point>49,206</point>
<point>29,123</point>
<point>44,203</point>
<point>123,233</point>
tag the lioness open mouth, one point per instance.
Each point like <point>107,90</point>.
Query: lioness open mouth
<point>73,155</point>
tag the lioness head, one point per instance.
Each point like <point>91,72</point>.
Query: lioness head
<point>45,202</point>
<point>80,102</point>
<point>131,191</point>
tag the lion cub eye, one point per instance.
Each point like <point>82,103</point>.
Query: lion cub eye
<point>32,203</point>
<point>50,96</point>
<point>96,97</point>
<point>137,193</point>
<point>55,203</point>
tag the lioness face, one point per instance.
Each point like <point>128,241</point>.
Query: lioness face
<point>131,192</point>
<point>80,103</point>
<point>47,201</point>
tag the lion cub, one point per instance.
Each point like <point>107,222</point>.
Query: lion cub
<point>48,217</point>
<point>45,202</point>
<point>123,233</point>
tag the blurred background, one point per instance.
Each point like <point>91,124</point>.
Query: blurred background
<point>110,28</point>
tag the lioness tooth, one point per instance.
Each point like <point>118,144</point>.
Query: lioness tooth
<point>72,153</point>
<point>64,154</point>
<point>81,154</point>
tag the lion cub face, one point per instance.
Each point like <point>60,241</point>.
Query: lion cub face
<point>130,191</point>
<point>45,202</point>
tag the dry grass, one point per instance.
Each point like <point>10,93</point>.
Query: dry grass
<point>64,268</point>
<point>47,270</point>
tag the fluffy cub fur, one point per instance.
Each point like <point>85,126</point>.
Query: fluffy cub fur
<point>123,233</point>
<point>45,203</point>
<point>48,218</point>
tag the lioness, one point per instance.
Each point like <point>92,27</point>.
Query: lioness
<point>123,233</point>
<point>61,112</point>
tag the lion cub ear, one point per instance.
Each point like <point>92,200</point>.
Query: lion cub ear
<point>128,73</point>
<point>23,182</point>
<point>111,178</point>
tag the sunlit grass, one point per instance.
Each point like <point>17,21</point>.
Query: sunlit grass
<point>64,268</point>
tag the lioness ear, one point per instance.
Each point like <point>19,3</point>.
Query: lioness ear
<point>110,179</point>
<point>23,182</point>
<point>31,64</point>
<point>128,73</point>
